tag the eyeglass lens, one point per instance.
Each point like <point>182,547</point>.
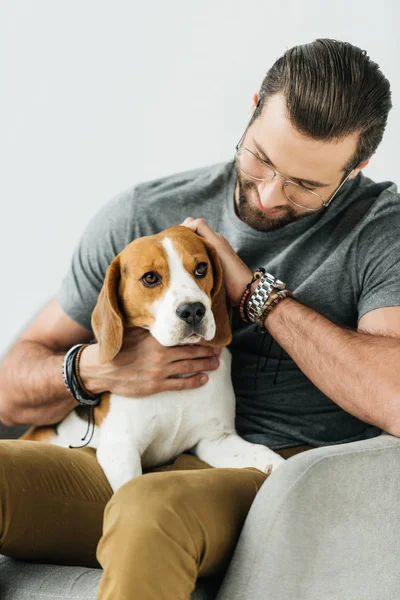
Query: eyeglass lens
<point>257,169</point>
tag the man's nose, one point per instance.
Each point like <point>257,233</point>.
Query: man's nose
<point>271,193</point>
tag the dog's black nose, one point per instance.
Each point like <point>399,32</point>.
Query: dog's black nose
<point>191,312</point>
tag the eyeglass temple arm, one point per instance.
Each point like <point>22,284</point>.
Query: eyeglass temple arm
<point>245,131</point>
<point>326,204</point>
<point>240,141</point>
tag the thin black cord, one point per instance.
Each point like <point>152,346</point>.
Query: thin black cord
<point>279,361</point>
<point>277,367</point>
<point>91,421</point>
<point>88,425</point>
<point>268,353</point>
<point>259,357</point>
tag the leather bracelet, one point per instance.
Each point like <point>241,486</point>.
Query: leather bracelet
<point>78,375</point>
<point>271,305</point>
<point>71,381</point>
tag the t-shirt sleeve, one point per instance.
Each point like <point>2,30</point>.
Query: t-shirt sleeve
<point>378,259</point>
<point>105,236</point>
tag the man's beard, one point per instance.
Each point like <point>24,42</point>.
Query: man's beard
<point>254,217</point>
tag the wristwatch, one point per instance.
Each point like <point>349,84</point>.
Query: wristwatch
<point>259,299</point>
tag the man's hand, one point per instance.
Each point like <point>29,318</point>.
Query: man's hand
<point>144,367</point>
<point>236,274</point>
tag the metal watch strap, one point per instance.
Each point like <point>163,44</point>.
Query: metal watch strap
<point>259,298</point>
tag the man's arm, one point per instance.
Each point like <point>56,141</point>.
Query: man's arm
<point>32,390</point>
<point>359,370</point>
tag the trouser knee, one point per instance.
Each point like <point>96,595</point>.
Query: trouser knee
<point>150,506</point>
<point>198,514</point>
<point>147,549</point>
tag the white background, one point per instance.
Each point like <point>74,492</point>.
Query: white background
<point>98,95</point>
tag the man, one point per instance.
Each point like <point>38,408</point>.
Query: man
<point>294,201</point>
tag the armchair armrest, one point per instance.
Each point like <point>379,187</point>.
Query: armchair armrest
<point>324,526</point>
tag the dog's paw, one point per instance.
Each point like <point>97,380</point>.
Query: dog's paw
<point>264,459</point>
<point>273,467</point>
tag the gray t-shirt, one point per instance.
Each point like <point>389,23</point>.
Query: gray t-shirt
<point>342,261</point>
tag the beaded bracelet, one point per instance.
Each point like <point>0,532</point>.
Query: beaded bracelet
<point>274,302</point>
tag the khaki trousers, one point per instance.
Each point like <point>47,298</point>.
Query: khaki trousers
<point>153,537</point>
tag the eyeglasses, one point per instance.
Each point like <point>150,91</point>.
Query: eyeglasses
<point>258,169</point>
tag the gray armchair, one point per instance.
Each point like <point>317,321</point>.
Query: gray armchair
<point>325,526</point>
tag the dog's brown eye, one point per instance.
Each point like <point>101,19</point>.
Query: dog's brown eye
<point>201,269</point>
<point>150,279</point>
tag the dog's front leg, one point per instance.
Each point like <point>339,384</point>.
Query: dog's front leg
<point>230,450</point>
<point>120,461</point>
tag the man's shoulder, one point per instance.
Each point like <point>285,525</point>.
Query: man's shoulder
<point>185,182</point>
<point>205,182</point>
<point>150,206</point>
<point>369,203</point>
<point>376,215</point>
<point>382,200</point>
<point>381,194</point>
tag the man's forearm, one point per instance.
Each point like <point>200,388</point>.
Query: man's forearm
<point>32,390</point>
<point>357,370</point>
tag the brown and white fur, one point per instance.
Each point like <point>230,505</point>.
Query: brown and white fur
<point>135,433</point>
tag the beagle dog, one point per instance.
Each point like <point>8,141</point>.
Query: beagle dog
<point>170,283</point>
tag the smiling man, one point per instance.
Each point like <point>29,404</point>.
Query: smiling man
<point>294,201</point>
<point>258,196</point>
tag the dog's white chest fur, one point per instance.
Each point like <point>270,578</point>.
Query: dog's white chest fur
<point>144,432</point>
<point>169,423</point>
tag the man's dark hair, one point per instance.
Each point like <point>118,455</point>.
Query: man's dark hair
<point>332,89</point>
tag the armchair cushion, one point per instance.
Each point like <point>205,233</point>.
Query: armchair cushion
<point>20,580</point>
<point>325,526</point>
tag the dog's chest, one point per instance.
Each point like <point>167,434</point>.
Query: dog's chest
<point>168,423</point>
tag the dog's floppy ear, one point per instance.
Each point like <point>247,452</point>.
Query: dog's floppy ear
<point>107,321</point>
<point>219,307</point>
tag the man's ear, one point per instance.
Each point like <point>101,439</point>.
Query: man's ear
<point>107,321</point>
<point>360,167</point>
<point>219,306</point>
<point>255,100</point>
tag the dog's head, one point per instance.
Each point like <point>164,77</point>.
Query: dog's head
<point>170,283</point>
